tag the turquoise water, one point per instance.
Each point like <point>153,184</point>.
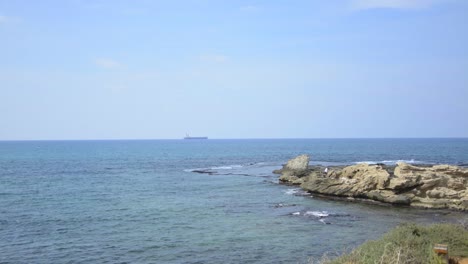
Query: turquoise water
<point>141,202</point>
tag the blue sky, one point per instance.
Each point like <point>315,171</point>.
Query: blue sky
<point>141,69</point>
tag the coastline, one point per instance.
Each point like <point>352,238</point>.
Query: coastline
<point>150,190</point>
<point>420,186</point>
<point>408,242</point>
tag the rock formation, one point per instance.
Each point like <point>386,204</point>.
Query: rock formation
<point>295,170</point>
<point>439,186</point>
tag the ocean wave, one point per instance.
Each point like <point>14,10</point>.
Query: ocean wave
<point>319,214</point>
<point>291,191</point>
<point>235,167</point>
<point>327,163</point>
<point>280,205</point>
<point>392,162</point>
<point>225,167</point>
<point>296,192</point>
<point>324,222</point>
<point>230,167</point>
<point>250,169</point>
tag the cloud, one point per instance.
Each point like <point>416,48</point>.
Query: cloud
<point>8,19</point>
<point>393,4</point>
<point>249,8</point>
<point>138,7</point>
<point>218,58</point>
<point>107,63</point>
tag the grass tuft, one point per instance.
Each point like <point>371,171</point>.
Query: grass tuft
<point>407,243</point>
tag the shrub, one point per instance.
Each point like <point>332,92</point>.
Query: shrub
<point>409,243</point>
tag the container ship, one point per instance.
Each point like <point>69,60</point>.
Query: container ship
<point>187,136</point>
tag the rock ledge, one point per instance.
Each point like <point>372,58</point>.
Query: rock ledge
<point>439,186</point>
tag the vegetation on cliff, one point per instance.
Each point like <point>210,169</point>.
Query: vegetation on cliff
<point>408,243</point>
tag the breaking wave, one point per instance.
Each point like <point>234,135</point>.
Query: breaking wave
<point>297,192</point>
<point>393,162</point>
<point>319,214</point>
<point>292,191</point>
<point>260,169</point>
<point>229,167</point>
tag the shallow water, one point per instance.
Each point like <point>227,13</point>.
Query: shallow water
<point>140,201</point>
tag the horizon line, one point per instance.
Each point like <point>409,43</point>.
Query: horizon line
<point>267,138</point>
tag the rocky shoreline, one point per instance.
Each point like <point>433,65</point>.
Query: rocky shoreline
<point>423,186</point>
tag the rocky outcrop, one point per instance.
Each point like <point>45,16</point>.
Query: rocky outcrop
<point>295,170</point>
<point>299,163</point>
<point>440,186</point>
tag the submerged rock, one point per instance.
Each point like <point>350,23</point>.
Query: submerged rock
<point>439,186</point>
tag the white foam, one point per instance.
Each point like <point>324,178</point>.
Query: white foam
<point>296,213</point>
<point>191,170</point>
<point>319,214</point>
<point>221,168</point>
<point>391,162</point>
<point>230,167</point>
<point>411,161</point>
<point>291,191</point>
<point>366,162</point>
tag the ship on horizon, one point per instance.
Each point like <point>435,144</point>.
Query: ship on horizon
<point>187,136</point>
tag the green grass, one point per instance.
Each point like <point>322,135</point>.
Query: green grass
<point>408,243</point>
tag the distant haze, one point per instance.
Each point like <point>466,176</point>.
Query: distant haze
<point>82,69</point>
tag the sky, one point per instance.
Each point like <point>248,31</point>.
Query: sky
<point>141,69</point>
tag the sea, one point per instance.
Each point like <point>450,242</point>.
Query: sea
<point>144,201</point>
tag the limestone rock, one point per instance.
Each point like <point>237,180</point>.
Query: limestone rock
<point>294,170</point>
<point>368,177</point>
<point>291,178</point>
<point>405,177</point>
<point>299,163</point>
<point>352,181</point>
<point>442,192</point>
<point>389,197</point>
<point>440,186</point>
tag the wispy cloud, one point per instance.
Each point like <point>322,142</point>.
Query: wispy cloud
<point>116,7</point>
<point>107,63</point>
<point>218,58</point>
<point>8,19</point>
<point>393,4</point>
<point>249,8</point>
